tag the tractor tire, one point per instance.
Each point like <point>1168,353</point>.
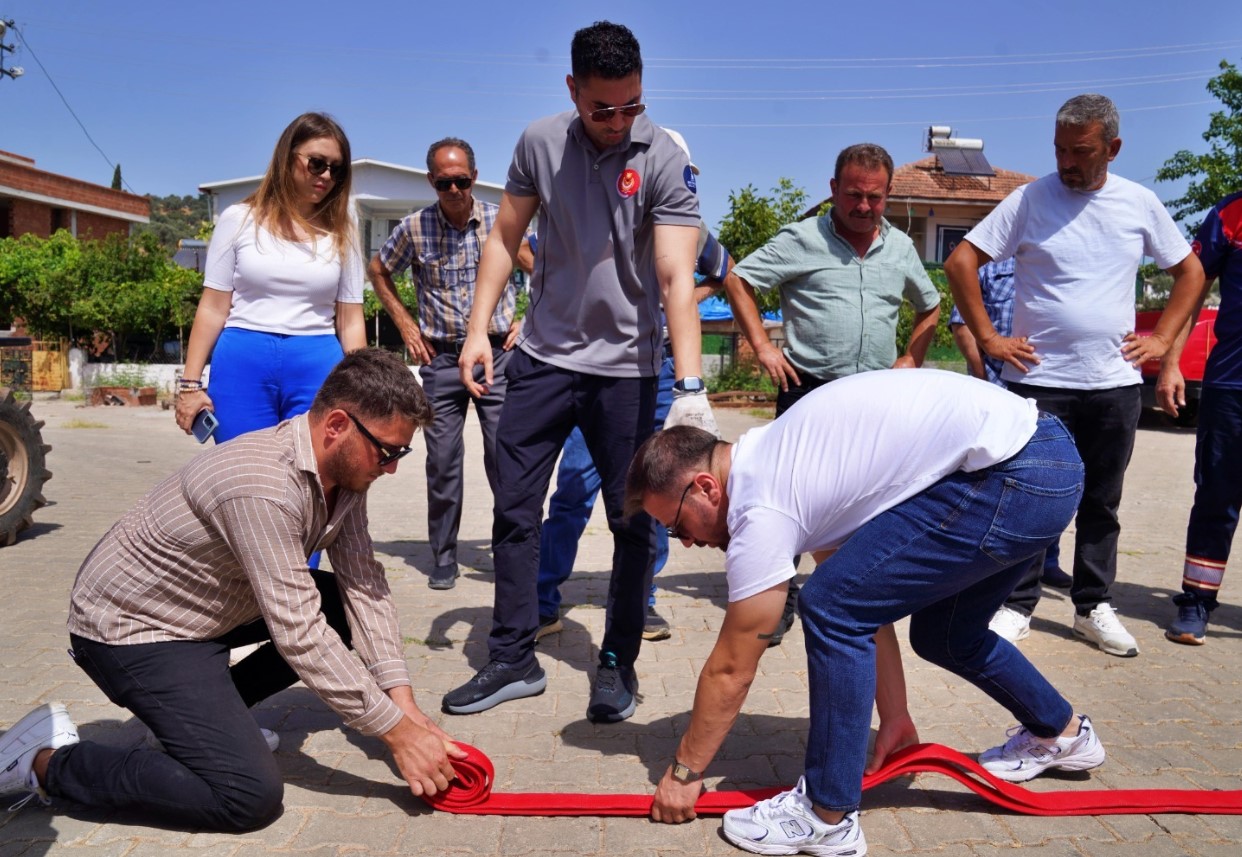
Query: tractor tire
<point>22,471</point>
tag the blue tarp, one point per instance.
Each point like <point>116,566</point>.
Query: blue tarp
<point>716,308</point>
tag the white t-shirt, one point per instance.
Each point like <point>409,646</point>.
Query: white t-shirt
<point>851,450</point>
<point>1077,256</point>
<point>279,286</point>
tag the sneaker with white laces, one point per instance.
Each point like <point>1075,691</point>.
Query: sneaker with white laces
<point>1102,627</point>
<point>1009,624</point>
<point>1025,756</point>
<point>48,727</point>
<point>787,824</point>
<point>272,739</point>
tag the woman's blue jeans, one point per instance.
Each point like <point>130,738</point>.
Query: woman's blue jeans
<point>947,557</point>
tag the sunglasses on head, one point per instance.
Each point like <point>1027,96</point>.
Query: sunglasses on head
<point>603,114</point>
<point>459,182</point>
<point>316,165</point>
<point>386,455</point>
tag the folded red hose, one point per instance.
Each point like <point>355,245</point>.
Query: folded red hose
<point>471,793</point>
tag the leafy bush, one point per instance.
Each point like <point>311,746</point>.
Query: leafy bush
<point>127,288</point>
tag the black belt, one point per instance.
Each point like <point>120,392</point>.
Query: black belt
<point>445,346</point>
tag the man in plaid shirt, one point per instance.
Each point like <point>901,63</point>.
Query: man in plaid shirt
<point>440,246</point>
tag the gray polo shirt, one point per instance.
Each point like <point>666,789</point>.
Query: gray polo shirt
<point>840,311</point>
<point>595,300</point>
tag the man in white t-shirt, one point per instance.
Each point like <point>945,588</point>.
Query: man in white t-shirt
<point>929,493</point>
<point>1078,236</point>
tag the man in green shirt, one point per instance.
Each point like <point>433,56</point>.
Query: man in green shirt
<point>842,277</point>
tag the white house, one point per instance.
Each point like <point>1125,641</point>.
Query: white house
<point>383,193</point>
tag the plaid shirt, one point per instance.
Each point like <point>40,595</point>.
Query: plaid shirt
<point>996,282</point>
<point>444,262</point>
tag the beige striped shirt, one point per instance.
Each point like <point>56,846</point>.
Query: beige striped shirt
<point>223,542</point>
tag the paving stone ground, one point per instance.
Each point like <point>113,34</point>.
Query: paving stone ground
<point>1169,718</point>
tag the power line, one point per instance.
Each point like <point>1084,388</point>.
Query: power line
<point>65,101</point>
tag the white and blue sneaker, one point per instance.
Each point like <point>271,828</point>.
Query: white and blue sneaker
<point>787,824</point>
<point>1025,756</point>
<point>48,727</point>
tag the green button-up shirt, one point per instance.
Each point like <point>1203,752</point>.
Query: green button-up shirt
<point>840,311</point>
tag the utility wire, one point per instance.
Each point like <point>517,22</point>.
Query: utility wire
<point>65,101</point>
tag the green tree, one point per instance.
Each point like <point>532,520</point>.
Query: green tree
<point>1218,172</point>
<point>175,217</point>
<point>754,218</point>
<point>116,177</point>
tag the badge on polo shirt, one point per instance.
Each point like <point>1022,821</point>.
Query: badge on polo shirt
<point>691,182</point>
<point>628,183</point>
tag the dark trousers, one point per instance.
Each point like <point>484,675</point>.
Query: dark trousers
<point>1218,492</point>
<point>1103,423</point>
<point>542,406</point>
<point>217,773</point>
<point>786,399</point>
<point>446,447</point>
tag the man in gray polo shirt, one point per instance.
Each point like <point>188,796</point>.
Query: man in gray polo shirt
<point>617,230</point>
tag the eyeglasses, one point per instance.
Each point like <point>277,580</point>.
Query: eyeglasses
<point>674,530</point>
<point>316,165</point>
<point>629,111</point>
<point>386,456</point>
<point>459,182</point>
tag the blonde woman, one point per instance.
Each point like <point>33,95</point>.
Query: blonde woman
<point>282,289</point>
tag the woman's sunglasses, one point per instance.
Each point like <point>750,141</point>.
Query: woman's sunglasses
<point>316,166</point>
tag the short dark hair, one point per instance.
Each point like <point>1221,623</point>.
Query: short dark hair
<point>456,143</point>
<point>605,50</point>
<point>376,384</point>
<point>664,461</point>
<point>869,156</point>
<point>1081,110</point>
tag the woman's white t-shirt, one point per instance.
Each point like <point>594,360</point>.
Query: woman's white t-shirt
<point>279,286</point>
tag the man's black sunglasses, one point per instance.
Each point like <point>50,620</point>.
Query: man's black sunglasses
<point>673,531</point>
<point>459,182</point>
<point>316,165</point>
<point>386,455</point>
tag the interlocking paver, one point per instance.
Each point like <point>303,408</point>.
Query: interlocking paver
<point>1171,717</point>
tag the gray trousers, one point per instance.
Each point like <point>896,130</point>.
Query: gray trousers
<point>446,447</point>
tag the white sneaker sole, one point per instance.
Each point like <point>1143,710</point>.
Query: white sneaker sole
<point>1106,647</point>
<point>857,848</point>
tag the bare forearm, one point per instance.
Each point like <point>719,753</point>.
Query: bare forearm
<point>746,311</point>
<point>921,335</point>
<point>890,686</point>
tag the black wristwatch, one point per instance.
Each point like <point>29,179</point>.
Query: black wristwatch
<point>689,384</point>
<point>684,775</point>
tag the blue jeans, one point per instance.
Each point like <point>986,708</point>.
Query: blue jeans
<point>259,379</point>
<point>947,558</point>
<point>1218,491</point>
<point>577,486</point>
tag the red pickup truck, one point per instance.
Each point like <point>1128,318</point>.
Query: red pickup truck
<point>1194,359</point>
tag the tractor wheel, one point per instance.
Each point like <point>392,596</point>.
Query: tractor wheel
<point>22,470</point>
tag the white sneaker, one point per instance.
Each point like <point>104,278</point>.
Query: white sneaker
<point>272,739</point>
<point>1025,756</point>
<point>1103,628</point>
<point>48,727</point>
<point>786,824</point>
<point>1009,624</point>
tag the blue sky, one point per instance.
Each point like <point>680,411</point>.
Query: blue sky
<point>184,93</point>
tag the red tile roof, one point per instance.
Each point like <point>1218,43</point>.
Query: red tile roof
<point>924,179</point>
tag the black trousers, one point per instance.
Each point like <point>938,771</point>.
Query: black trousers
<point>217,773</point>
<point>1103,423</point>
<point>542,405</point>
